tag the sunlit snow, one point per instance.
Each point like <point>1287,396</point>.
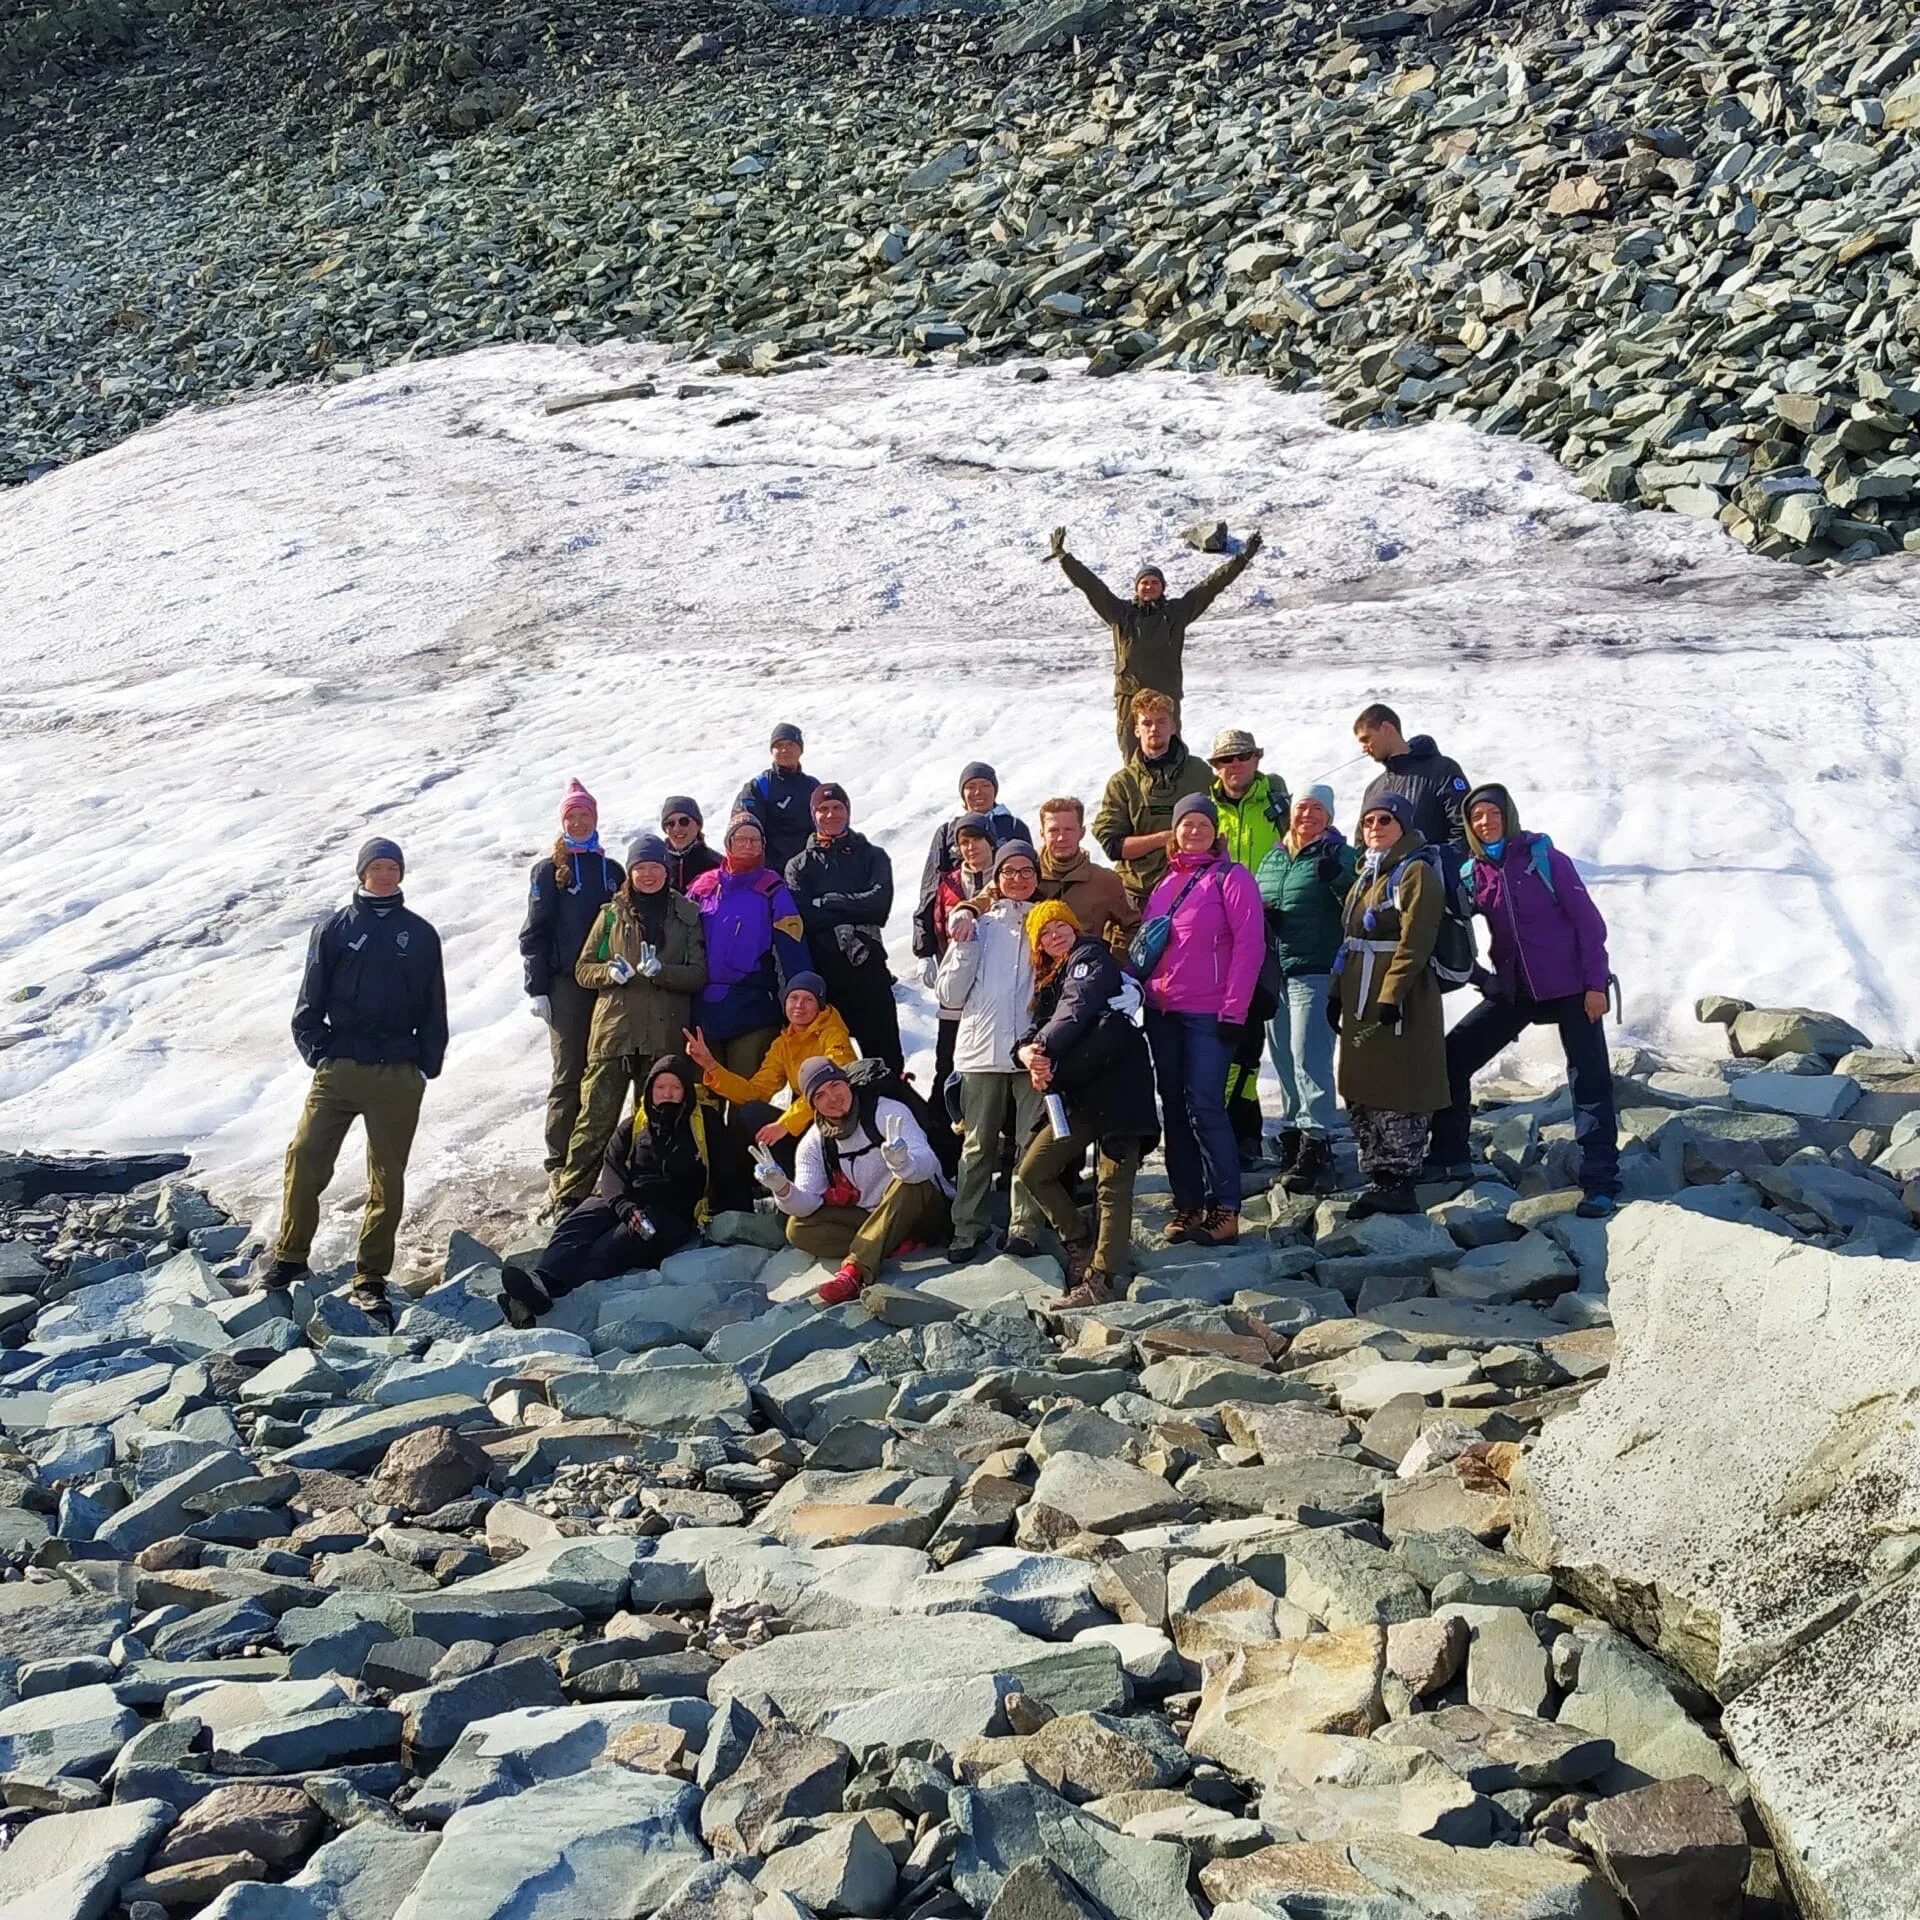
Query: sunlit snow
<point>418,603</point>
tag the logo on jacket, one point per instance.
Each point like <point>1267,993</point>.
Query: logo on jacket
<point>354,946</point>
<point>400,941</point>
<point>1459,783</point>
<point>1081,971</point>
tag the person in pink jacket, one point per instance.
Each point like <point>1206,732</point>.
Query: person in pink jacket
<point>1197,996</point>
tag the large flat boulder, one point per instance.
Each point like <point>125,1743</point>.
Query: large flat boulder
<point>1725,1496</point>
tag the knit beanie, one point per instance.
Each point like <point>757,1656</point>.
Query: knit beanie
<point>978,770</point>
<point>807,983</point>
<point>734,825</point>
<point>1320,792</point>
<point>378,849</point>
<point>578,796</point>
<point>829,790</point>
<point>1196,803</point>
<point>1043,916</point>
<point>1396,804</point>
<point>1149,572</point>
<point>680,803</point>
<point>975,823</point>
<point>1014,850</point>
<point>786,733</point>
<point>647,846</point>
<point>816,1073</point>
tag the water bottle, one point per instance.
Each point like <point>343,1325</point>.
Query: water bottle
<point>1057,1116</point>
<point>643,1223</point>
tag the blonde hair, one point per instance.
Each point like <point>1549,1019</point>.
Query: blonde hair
<point>562,863</point>
<point>1065,803</point>
<point>1148,700</point>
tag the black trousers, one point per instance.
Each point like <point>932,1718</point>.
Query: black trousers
<point>590,1244</point>
<point>864,996</point>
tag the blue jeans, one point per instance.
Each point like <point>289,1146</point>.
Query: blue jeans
<point>1300,1044</point>
<point>1190,1063</point>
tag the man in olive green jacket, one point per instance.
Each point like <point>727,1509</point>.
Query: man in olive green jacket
<point>1134,827</point>
<point>1149,631</point>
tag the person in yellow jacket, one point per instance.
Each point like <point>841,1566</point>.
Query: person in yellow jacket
<point>813,1030</point>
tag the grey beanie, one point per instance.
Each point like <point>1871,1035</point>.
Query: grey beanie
<point>978,770</point>
<point>1014,850</point>
<point>1196,803</point>
<point>1320,792</point>
<point>680,803</point>
<point>379,849</point>
<point>815,1073</point>
<point>786,734</point>
<point>647,846</point>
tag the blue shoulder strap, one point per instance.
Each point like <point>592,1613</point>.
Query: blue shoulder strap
<point>1542,861</point>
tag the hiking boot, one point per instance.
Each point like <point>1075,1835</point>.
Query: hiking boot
<point>1384,1196</point>
<point>1313,1170</point>
<point>1183,1225</point>
<point>1092,1289</point>
<point>1432,1172</point>
<point>1287,1144</point>
<point>1219,1228</point>
<point>1598,1206</point>
<point>369,1293</point>
<point>1020,1246</point>
<point>523,1297</point>
<point>1076,1256</point>
<point>844,1286</point>
<point>962,1251</point>
<point>276,1276</point>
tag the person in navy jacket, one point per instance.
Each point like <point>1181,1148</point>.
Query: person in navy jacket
<point>371,1021</point>
<point>568,888</point>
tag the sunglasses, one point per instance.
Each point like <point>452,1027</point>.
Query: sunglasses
<point>1233,759</point>
<point>678,820</point>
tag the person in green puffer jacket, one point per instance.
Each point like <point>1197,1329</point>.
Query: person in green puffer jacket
<point>1304,882</point>
<point>1253,815</point>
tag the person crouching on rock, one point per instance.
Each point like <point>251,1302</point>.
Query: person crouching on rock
<point>1083,1049</point>
<point>1385,1005</point>
<point>371,1021</point>
<point>1549,953</point>
<point>651,1200</point>
<point>645,957</point>
<point>866,1183</point>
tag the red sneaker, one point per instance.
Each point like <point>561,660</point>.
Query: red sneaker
<point>908,1248</point>
<point>844,1286</point>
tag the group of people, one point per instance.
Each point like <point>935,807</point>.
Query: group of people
<point>740,996</point>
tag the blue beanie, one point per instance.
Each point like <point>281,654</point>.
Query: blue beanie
<point>1396,804</point>
<point>1196,803</point>
<point>807,983</point>
<point>379,849</point>
<point>647,846</point>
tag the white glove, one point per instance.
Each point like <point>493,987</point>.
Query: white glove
<point>542,1007</point>
<point>929,972</point>
<point>768,1173</point>
<point>621,970</point>
<point>649,961</point>
<point>1127,1000</point>
<point>895,1154</point>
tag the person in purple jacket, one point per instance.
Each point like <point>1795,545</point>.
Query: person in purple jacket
<point>1197,997</point>
<point>1549,953</point>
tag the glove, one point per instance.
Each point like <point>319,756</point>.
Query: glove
<point>1231,1032</point>
<point>1333,1014</point>
<point>649,962</point>
<point>1327,867</point>
<point>1127,1000</point>
<point>929,971</point>
<point>1388,1015</point>
<point>1057,545</point>
<point>895,1154</point>
<point>768,1173</point>
<point>542,1007</point>
<point>620,969</point>
<point>1254,543</point>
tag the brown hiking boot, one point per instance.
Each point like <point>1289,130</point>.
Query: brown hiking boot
<point>1219,1229</point>
<point>1183,1225</point>
<point>1094,1289</point>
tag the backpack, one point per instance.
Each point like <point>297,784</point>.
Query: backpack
<point>872,1081</point>
<point>1454,955</point>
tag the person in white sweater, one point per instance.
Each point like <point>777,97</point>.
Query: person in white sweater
<point>866,1182</point>
<point>986,975</point>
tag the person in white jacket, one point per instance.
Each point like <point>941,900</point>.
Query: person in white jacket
<point>986,976</point>
<point>866,1182</point>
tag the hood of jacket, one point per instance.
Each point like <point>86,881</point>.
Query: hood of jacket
<point>1509,816</point>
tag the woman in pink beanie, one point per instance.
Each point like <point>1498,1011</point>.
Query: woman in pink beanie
<point>569,887</point>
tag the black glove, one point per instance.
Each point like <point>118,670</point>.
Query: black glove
<point>1231,1032</point>
<point>1327,868</point>
<point>1254,543</point>
<point>1333,1013</point>
<point>1388,1015</point>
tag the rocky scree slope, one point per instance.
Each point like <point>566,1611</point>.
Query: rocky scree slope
<point>1675,245</point>
<point>1366,1569</point>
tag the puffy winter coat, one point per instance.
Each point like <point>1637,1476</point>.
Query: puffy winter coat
<point>1304,894</point>
<point>1101,1066</point>
<point>1392,920</point>
<point>930,917</point>
<point>988,980</point>
<point>644,1016</point>
<point>373,989</point>
<point>783,804</point>
<point>1149,642</point>
<point>1096,896</point>
<point>1256,823</point>
<point>1547,937</point>
<point>844,890</point>
<point>1435,785</point>
<point>753,945</point>
<point>1140,799</point>
<point>1212,961</point>
<point>558,917</point>
<point>825,1037</point>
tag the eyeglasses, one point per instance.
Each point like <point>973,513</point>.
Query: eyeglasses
<point>1374,819</point>
<point>1019,870</point>
<point>679,820</point>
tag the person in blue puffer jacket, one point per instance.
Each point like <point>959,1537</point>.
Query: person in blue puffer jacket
<point>567,890</point>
